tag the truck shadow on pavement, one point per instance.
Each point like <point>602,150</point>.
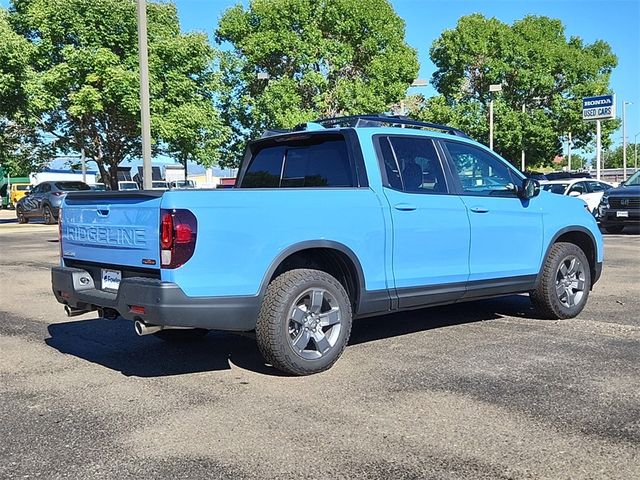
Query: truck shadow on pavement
<point>114,344</point>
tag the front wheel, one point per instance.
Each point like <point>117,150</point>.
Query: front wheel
<point>304,322</point>
<point>565,282</point>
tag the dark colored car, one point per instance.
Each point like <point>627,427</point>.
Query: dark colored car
<point>44,200</point>
<point>564,175</point>
<point>620,206</point>
<point>536,175</point>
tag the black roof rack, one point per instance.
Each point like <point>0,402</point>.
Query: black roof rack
<point>374,120</point>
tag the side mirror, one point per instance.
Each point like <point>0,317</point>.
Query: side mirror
<point>574,193</point>
<point>530,188</point>
<point>27,193</point>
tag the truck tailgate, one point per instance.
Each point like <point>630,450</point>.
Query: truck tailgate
<point>113,228</point>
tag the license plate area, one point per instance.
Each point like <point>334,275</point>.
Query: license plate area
<point>110,279</point>
<point>622,213</point>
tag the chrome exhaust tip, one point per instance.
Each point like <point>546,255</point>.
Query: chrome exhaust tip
<point>146,329</point>
<point>74,312</point>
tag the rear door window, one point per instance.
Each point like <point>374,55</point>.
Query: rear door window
<point>411,164</point>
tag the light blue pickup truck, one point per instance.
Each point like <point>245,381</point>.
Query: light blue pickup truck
<point>336,220</point>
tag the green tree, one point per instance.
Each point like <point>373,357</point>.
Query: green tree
<point>22,147</point>
<point>613,157</point>
<point>537,66</point>
<point>297,60</point>
<point>85,84</point>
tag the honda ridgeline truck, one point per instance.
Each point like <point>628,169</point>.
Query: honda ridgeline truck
<point>337,220</point>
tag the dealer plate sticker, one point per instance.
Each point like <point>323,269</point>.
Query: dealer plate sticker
<point>622,214</point>
<point>111,279</point>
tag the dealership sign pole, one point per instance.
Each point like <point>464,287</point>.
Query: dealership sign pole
<point>599,108</point>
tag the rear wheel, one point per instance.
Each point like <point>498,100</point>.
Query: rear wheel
<point>181,335</point>
<point>614,228</point>
<point>49,219</point>
<point>304,322</point>
<point>564,284</point>
<point>21,216</point>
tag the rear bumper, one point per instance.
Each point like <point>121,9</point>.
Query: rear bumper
<point>164,303</point>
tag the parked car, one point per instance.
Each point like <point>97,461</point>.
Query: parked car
<point>536,175</point>
<point>18,190</point>
<point>566,175</point>
<point>159,185</point>
<point>44,200</point>
<point>327,224</point>
<point>590,191</point>
<point>620,207</point>
<point>127,185</point>
<point>182,184</point>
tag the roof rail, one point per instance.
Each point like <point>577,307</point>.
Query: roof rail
<point>375,119</point>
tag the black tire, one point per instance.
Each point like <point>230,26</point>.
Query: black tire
<point>277,331</point>
<point>546,297</point>
<point>613,228</point>
<point>21,217</point>
<point>47,213</point>
<point>181,335</point>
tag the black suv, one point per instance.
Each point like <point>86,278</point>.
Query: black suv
<point>620,206</point>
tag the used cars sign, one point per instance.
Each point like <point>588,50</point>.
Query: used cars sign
<point>602,107</point>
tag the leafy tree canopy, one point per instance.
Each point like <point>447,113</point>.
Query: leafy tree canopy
<point>297,60</point>
<point>537,66</point>
<point>85,84</point>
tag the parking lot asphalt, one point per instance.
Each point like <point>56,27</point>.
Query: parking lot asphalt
<point>475,390</point>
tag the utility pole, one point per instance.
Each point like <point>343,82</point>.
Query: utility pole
<point>495,87</point>
<point>569,152</point>
<point>522,166</point>
<point>624,139</point>
<point>598,148</point>
<point>145,113</point>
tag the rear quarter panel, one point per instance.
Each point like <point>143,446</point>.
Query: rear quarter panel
<point>242,231</point>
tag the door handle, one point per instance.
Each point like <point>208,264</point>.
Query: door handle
<point>479,209</point>
<point>405,207</point>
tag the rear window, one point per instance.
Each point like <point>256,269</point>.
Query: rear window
<point>22,188</point>
<point>558,188</point>
<point>323,163</point>
<point>72,186</point>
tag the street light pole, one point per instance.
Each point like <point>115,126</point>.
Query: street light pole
<point>635,150</point>
<point>495,87</point>
<point>145,113</point>
<point>624,139</point>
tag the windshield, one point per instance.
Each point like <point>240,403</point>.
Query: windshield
<point>72,186</point>
<point>98,187</point>
<point>159,184</point>
<point>129,186</point>
<point>634,179</point>
<point>23,188</point>
<point>558,188</point>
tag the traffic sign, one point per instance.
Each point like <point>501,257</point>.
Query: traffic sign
<point>602,107</point>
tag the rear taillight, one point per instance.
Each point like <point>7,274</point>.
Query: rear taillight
<point>178,229</point>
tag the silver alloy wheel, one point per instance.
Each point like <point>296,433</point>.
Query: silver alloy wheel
<point>315,322</point>
<point>570,281</point>
<point>47,215</point>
